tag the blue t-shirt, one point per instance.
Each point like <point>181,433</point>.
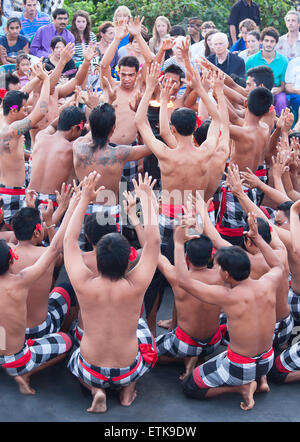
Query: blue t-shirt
<point>12,51</point>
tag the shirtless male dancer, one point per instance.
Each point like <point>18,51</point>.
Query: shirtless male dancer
<point>93,152</point>
<point>250,309</point>
<point>15,123</point>
<point>21,358</point>
<point>52,157</point>
<point>46,312</point>
<point>112,294</point>
<point>124,92</point>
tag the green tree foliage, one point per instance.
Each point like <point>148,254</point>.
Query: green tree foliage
<point>272,12</point>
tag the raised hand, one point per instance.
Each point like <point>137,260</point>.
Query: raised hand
<point>233,179</point>
<point>152,75</point>
<point>31,196</point>
<point>63,197</point>
<point>250,179</point>
<point>89,186</point>
<point>121,29</point>
<point>252,233</point>
<point>47,212</point>
<point>90,52</point>
<point>67,52</point>
<point>135,25</point>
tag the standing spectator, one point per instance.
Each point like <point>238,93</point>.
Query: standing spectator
<point>160,32</point>
<point>245,26</point>
<point>253,45</point>
<point>3,22</point>
<point>40,45</point>
<point>240,10</point>
<point>277,62</point>
<point>105,36</point>
<point>289,44</point>
<point>194,29</point>
<point>198,49</point>
<point>81,29</point>
<point>223,59</point>
<point>49,6</point>
<point>32,19</point>
<point>12,42</point>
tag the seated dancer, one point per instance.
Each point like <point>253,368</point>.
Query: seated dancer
<point>15,123</point>
<point>250,309</point>
<point>46,313</point>
<point>22,357</point>
<point>128,349</point>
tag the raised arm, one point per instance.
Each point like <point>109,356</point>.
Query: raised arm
<point>141,119</point>
<point>295,226</point>
<point>166,89</point>
<point>135,28</point>
<point>141,275</point>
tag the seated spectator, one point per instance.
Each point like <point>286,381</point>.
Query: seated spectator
<point>32,19</point>
<point>105,36</point>
<point>160,32</point>
<point>194,29</point>
<point>208,46</point>
<point>198,49</point>
<point>3,22</point>
<point>253,45</point>
<point>268,56</point>
<point>40,45</point>
<point>23,70</point>
<point>57,44</point>
<point>12,42</point>
<point>292,85</point>
<point>81,29</point>
<point>289,44</point>
<point>122,13</point>
<point>223,59</point>
<point>245,26</point>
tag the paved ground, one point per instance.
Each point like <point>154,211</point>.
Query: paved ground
<point>160,399</point>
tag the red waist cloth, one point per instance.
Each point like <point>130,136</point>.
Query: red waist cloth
<point>7,191</point>
<point>23,360</point>
<point>182,336</point>
<point>147,353</point>
<point>172,210</point>
<point>238,359</point>
<point>46,202</point>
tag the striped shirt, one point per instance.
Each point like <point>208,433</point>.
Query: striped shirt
<point>78,56</point>
<point>29,28</point>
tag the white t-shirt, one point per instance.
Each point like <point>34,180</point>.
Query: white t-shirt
<point>292,74</point>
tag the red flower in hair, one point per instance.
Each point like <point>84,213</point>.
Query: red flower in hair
<point>2,93</point>
<point>133,254</point>
<point>13,255</point>
<point>38,227</point>
<point>199,121</point>
<point>80,125</point>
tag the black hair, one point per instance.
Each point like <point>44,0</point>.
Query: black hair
<point>11,20</point>
<point>4,256</point>
<point>59,11</point>
<point>70,116</point>
<point>262,75</point>
<point>13,98</point>
<point>235,261</point>
<point>174,69</point>
<point>238,80</point>
<point>200,133</point>
<point>259,101</point>
<point>184,120</point>
<point>285,208</point>
<point>199,250</point>
<point>102,120</point>
<point>129,61</point>
<point>56,40</point>
<point>177,30</point>
<point>10,78</point>
<point>95,230</point>
<point>263,228</point>
<point>271,32</point>
<point>113,252</point>
<point>24,223</point>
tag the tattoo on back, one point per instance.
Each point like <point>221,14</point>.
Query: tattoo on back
<point>109,156</point>
<point>4,144</point>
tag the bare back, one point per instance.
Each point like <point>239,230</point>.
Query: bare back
<point>51,115</point>
<point>12,164</point>
<point>52,163</point>
<point>110,314</point>
<point>251,317</point>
